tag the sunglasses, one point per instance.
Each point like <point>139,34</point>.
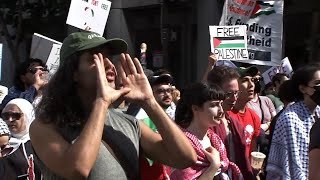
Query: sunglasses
<point>34,70</point>
<point>14,115</point>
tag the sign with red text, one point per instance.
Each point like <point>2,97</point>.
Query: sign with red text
<point>89,14</point>
<point>263,19</point>
<point>285,67</point>
<point>229,42</point>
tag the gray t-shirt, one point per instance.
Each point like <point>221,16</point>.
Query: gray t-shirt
<point>122,134</point>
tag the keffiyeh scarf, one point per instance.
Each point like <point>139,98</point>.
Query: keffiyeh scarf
<point>202,163</point>
<point>288,155</point>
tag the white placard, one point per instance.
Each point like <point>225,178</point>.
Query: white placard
<point>229,42</point>
<point>89,13</point>
<point>285,67</point>
<point>54,59</point>
<point>41,46</point>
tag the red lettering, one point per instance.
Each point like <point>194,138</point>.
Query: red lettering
<point>95,3</point>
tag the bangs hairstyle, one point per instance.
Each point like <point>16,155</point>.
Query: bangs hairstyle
<point>196,94</point>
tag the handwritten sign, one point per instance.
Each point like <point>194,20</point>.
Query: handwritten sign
<point>229,42</point>
<point>41,46</point>
<point>89,13</point>
<point>54,59</point>
<point>285,67</point>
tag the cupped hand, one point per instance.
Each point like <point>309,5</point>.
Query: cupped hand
<point>133,77</point>
<point>104,91</point>
<point>213,157</point>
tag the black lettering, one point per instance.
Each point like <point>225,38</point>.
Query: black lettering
<point>258,42</point>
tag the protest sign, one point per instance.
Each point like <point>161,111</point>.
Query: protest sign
<point>89,13</point>
<point>229,42</point>
<point>264,21</point>
<point>54,59</point>
<point>41,46</point>
<point>285,67</point>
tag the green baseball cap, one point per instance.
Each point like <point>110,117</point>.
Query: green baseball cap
<point>249,71</point>
<point>80,41</point>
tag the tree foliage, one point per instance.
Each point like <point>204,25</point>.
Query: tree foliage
<point>19,19</point>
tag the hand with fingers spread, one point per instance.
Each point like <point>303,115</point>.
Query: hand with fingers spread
<point>133,77</point>
<point>104,91</point>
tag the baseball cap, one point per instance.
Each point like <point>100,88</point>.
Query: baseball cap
<point>249,71</point>
<point>79,41</point>
<point>163,78</point>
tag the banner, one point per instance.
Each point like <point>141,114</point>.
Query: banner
<point>285,67</point>
<point>41,46</point>
<point>229,42</point>
<point>89,13</point>
<point>264,21</point>
<point>54,59</point>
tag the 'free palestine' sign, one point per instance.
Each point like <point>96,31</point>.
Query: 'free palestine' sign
<point>229,42</point>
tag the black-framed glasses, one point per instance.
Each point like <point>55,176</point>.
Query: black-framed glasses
<point>14,115</point>
<point>163,91</point>
<point>232,93</point>
<point>34,70</point>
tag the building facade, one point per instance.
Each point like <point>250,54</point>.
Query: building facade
<point>178,31</point>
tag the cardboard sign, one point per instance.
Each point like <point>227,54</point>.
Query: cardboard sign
<point>229,42</point>
<point>285,67</point>
<point>89,13</point>
<point>54,59</point>
<point>41,46</point>
<point>263,19</point>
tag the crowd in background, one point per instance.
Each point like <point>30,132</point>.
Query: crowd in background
<point>98,119</point>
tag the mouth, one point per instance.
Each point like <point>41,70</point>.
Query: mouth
<point>12,126</point>
<point>110,75</point>
<point>167,100</point>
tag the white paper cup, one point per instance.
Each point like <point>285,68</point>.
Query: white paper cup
<point>257,159</point>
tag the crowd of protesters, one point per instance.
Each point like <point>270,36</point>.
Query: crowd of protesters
<point>75,126</point>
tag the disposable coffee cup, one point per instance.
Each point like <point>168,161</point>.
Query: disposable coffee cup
<point>257,159</point>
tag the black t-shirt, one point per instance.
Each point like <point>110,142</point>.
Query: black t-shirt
<point>314,136</point>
